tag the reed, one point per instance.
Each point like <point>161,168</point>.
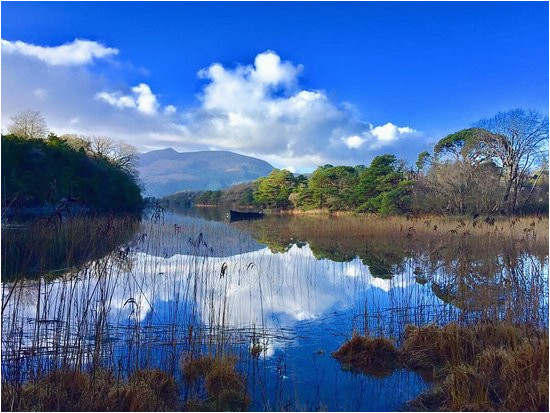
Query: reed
<point>481,367</point>
<point>69,390</point>
<point>224,388</point>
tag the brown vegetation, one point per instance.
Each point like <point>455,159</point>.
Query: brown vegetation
<point>224,388</point>
<point>373,356</point>
<point>485,367</point>
<point>65,390</point>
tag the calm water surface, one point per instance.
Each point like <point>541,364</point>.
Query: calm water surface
<point>192,281</point>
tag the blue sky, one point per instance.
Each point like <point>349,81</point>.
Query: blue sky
<point>338,82</point>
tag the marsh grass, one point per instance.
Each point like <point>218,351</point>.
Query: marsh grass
<point>483,367</point>
<point>374,356</point>
<point>490,269</point>
<point>325,233</point>
<point>66,390</point>
<point>214,384</point>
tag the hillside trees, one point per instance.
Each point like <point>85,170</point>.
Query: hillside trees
<point>119,153</point>
<point>39,172</point>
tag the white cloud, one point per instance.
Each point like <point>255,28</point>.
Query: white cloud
<point>143,100</point>
<point>353,142</point>
<point>389,133</point>
<point>77,52</point>
<point>117,100</point>
<point>258,110</point>
<point>269,70</point>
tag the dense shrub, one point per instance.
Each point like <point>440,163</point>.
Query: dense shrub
<point>39,172</point>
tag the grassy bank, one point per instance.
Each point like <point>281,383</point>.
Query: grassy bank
<point>484,367</point>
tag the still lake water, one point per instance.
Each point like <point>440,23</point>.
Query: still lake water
<point>294,287</point>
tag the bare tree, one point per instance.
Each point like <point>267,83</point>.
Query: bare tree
<point>77,142</point>
<point>517,142</point>
<point>28,124</point>
<point>118,153</point>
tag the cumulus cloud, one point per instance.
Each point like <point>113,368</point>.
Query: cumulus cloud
<point>269,70</point>
<point>257,109</point>
<point>260,109</point>
<point>389,133</point>
<point>77,52</point>
<point>143,100</point>
<point>353,142</point>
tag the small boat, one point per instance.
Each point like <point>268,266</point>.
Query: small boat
<point>242,216</point>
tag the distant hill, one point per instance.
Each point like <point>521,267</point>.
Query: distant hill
<point>167,171</point>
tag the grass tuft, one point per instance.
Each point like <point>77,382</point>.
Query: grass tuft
<point>484,367</point>
<point>374,356</point>
<point>225,389</point>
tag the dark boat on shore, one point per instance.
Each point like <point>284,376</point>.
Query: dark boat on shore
<point>242,216</point>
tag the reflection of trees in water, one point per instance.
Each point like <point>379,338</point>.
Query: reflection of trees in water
<point>207,213</point>
<point>180,230</point>
<point>477,268</point>
<point>54,248</point>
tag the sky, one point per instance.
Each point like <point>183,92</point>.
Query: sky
<point>296,84</point>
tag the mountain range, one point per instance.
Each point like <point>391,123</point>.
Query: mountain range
<point>167,171</point>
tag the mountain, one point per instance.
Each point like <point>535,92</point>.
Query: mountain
<point>167,171</point>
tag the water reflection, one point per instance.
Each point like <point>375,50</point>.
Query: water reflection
<point>296,287</point>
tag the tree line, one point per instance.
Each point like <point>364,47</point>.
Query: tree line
<point>499,166</point>
<point>43,169</point>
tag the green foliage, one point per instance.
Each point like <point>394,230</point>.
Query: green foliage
<point>422,160</point>
<point>208,198</point>
<point>248,196</point>
<point>38,172</point>
<point>463,143</point>
<point>383,187</point>
<point>274,190</point>
<point>333,187</point>
<point>380,188</point>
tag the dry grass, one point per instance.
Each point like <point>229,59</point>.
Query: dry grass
<point>64,390</point>
<point>442,238</point>
<point>432,346</point>
<point>224,388</point>
<point>373,356</point>
<point>485,367</point>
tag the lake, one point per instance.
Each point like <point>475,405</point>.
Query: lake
<point>280,295</point>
